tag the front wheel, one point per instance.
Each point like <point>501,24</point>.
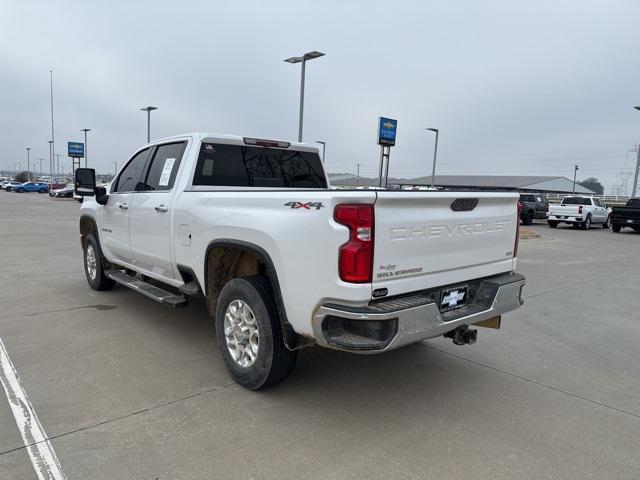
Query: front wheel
<point>249,333</point>
<point>552,224</point>
<point>586,225</point>
<point>616,228</point>
<point>93,265</point>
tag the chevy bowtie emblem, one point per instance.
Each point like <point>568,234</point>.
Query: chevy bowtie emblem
<point>389,125</point>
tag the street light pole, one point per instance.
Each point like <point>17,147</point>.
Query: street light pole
<point>324,145</point>
<point>41,159</point>
<point>149,109</point>
<point>115,168</point>
<point>58,164</point>
<point>86,148</point>
<point>28,166</point>
<point>575,171</point>
<point>358,174</point>
<point>303,59</point>
<point>435,154</point>
<point>51,163</point>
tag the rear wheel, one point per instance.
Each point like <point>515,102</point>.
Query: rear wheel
<point>93,265</point>
<point>249,333</point>
<point>552,224</point>
<point>527,219</point>
<point>616,228</point>
<point>586,225</point>
<point>20,190</point>
<point>42,190</point>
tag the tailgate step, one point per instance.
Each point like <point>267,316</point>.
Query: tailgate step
<point>145,288</point>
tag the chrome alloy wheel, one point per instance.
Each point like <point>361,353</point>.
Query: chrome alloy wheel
<point>92,261</point>
<point>241,333</point>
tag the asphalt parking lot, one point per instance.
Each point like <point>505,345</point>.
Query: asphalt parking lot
<point>126,388</point>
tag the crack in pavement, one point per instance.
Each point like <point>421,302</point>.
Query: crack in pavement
<point>534,382</point>
<point>98,307</point>
<point>553,290</point>
<point>122,417</point>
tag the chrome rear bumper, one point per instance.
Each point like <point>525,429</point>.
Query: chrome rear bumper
<point>399,321</point>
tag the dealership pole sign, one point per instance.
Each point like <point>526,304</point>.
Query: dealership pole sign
<point>387,129</point>
<point>75,149</point>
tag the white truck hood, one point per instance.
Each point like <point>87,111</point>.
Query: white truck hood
<point>421,241</point>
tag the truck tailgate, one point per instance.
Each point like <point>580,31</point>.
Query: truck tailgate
<point>564,210</point>
<point>429,239</point>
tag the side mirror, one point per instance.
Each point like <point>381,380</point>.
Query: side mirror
<point>85,182</point>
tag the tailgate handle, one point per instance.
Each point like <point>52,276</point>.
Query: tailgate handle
<point>464,204</point>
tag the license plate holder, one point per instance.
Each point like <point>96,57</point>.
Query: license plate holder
<point>453,298</point>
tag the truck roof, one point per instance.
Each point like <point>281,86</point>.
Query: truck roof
<point>235,140</point>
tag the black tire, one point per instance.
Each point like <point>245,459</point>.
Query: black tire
<point>616,228</point>
<point>552,223</point>
<point>273,361</point>
<point>42,190</point>
<point>97,280</point>
<point>636,229</point>
<point>606,223</point>
<point>527,218</point>
<point>20,190</point>
<point>586,225</point>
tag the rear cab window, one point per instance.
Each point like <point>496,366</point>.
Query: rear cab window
<point>251,166</point>
<point>576,201</point>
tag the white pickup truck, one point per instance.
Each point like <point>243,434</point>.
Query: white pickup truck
<point>284,261</point>
<point>579,211</point>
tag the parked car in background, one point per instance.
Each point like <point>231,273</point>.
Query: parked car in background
<point>66,192</point>
<point>532,206</point>
<point>31,187</point>
<point>627,216</point>
<point>579,212</point>
<point>9,186</point>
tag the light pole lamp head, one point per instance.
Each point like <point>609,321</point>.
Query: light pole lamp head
<point>149,109</point>
<point>321,142</point>
<point>306,56</point>
<point>637,107</point>
<point>85,130</point>
<point>433,129</point>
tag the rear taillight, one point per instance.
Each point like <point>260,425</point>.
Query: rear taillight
<point>580,209</point>
<point>355,260</point>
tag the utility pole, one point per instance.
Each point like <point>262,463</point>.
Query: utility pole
<point>575,171</point>
<point>41,159</point>
<point>358,174</point>
<point>58,163</point>
<point>115,168</point>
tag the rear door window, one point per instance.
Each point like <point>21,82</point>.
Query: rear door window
<point>164,166</point>
<point>248,166</point>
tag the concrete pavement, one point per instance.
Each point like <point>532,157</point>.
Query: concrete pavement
<point>127,388</point>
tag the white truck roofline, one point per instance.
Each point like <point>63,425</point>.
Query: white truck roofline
<point>230,139</point>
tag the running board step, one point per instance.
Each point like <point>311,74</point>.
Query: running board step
<point>146,289</point>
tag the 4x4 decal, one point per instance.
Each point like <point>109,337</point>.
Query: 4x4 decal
<point>305,205</point>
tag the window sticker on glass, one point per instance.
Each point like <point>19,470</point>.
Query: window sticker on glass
<point>166,172</point>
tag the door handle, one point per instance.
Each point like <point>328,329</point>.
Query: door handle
<point>162,208</point>
<point>123,206</point>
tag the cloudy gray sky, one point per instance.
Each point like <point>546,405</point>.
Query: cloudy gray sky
<point>515,87</point>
